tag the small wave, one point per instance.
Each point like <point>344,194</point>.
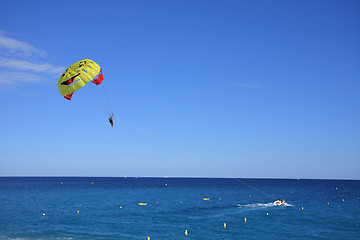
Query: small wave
<point>26,238</point>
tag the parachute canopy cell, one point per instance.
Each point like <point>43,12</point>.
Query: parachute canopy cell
<point>78,75</point>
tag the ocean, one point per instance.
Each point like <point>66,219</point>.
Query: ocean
<point>177,208</point>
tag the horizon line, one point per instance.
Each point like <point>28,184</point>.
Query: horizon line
<point>169,177</point>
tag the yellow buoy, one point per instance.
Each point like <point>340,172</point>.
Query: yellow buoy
<point>186,233</point>
<point>120,206</point>
<point>43,214</point>
<point>302,208</point>
<point>77,211</point>
<point>328,203</point>
<point>244,219</point>
<point>148,238</point>
<point>219,198</point>
<point>343,200</point>
<point>224,225</point>
<point>250,195</point>
<point>142,204</point>
<point>180,201</point>
<point>206,199</point>
<point>165,184</point>
<point>267,214</point>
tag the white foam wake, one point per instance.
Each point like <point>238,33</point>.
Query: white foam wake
<point>261,205</point>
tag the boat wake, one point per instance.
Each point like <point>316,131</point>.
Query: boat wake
<point>262,205</point>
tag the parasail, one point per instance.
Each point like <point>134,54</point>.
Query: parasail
<point>78,75</point>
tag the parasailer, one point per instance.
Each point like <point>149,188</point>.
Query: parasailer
<point>77,76</point>
<point>111,119</point>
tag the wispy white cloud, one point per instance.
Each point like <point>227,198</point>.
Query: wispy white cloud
<point>19,63</point>
<point>15,46</point>
<point>246,85</point>
<point>26,65</point>
<point>8,80</point>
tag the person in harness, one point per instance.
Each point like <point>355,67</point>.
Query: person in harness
<point>111,120</point>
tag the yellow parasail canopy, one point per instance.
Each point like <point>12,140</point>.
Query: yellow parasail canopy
<point>78,75</point>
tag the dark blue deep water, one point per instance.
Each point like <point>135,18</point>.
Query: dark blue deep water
<point>107,208</point>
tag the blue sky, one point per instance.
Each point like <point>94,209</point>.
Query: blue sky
<point>266,89</point>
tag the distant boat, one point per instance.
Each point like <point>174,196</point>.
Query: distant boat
<point>279,202</point>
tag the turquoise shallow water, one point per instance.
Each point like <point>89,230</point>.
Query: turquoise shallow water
<point>108,208</point>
